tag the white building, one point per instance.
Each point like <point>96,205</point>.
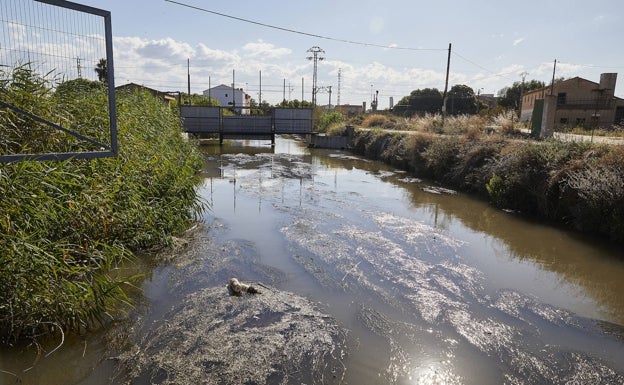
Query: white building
<point>230,97</point>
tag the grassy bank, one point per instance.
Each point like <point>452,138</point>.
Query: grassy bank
<point>66,227</point>
<point>580,186</point>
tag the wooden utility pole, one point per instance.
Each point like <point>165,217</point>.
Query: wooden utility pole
<point>448,68</point>
<point>523,74</point>
<point>260,93</point>
<point>233,91</point>
<point>188,73</point>
<point>552,83</point>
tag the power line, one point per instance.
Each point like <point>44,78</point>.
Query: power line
<point>301,32</point>
<point>494,73</point>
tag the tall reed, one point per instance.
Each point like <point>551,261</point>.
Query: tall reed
<point>66,228</point>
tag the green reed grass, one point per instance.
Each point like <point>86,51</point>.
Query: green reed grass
<point>67,228</point>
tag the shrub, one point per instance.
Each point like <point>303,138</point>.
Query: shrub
<point>598,195</point>
<point>440,158</point>
<point>497,188</point>
<point>66,226</point>
<point>328,120</point>
<point>578,184</point>
<point>375,120</point>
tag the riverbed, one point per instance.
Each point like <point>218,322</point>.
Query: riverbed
<point>366,275</point>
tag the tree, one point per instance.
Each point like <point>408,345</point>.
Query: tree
<point>299,104</point>
<point>204,100</point>
<point>102,71</point>
<point>428,100</point>
<point>509,97</point>
<point>70,87</point>
<point>461,100</point>
<point>404,101</point>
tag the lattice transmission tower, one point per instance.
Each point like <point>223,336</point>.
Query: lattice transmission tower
<point>316,56</point>
<point>338,93</point>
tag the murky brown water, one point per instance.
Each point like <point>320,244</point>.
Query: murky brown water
<point>376,278</point>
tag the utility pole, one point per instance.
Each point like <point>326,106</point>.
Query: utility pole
<point>79,67</point>
<point>209,91</point>
<point>316,51</point>
<point>188,79</point>
<point>302,90</point>
<point>448,68</point>
<point>260,93</point>
<point>233,91</point>
<point>552,83</point>
<point>523,74</point>
<point>284,92</point>
<point>329,88</point>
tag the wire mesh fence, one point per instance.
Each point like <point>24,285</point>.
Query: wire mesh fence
<point>55,62</point>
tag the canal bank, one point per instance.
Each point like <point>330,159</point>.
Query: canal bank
<point>575,185</point>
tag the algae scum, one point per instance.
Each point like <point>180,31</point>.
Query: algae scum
<point>359,284</point>
<point>207,336</point>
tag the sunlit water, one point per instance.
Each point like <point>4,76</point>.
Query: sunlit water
<point>428,285</point>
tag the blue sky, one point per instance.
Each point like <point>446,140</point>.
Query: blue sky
<point>493,43</point>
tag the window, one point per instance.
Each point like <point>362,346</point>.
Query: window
<point>226,95</point>
<point>563,120</point>
<point>561,98</point>
<point>580,120</point>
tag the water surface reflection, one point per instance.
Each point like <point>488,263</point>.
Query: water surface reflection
<point>433,285</point>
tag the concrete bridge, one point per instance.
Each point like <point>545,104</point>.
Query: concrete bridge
<point>275,121</point>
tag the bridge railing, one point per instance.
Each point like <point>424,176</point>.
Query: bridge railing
<point>248,124</point>
<point>293,120</point>
<point>201,119</point>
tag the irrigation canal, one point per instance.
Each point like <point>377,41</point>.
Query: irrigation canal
<point>368,276</point>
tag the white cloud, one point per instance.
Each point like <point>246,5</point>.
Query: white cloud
<point>214,55</point>
<point>164,49</point>
<point>518,41</point>
<point>265,50</point>
<point>162,64</point>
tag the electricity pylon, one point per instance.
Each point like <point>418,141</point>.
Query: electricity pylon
<point>316,51</point>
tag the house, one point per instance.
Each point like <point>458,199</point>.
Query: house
<point>579,102</point>
<point>488,100</point>
<point>350,109</point>
<point>230,97</point>
<point>133,87</point>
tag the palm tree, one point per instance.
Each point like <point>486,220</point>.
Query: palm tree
<point>102,71</point>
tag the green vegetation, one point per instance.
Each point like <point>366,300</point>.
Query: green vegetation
<point>327,120</point>
<point>578,185</point>
<point>67,227</point>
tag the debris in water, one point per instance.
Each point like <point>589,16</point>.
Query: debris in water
<point>237,288</point>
